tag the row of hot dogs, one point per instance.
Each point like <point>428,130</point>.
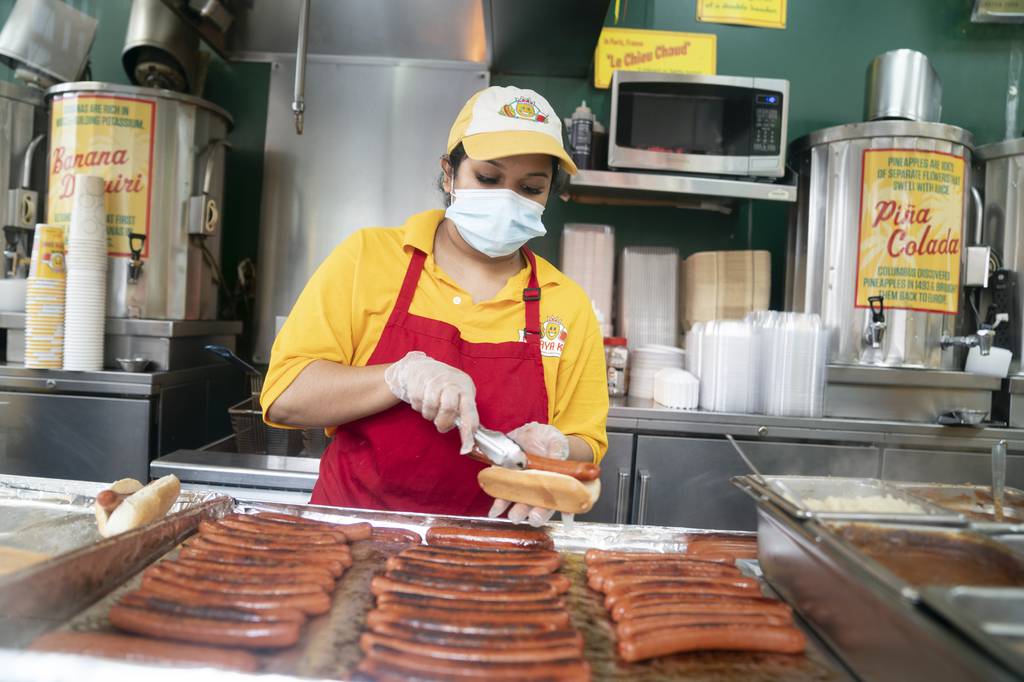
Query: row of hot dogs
<point>243,582</point>
<point>473,604</point>
<point>665,604</point>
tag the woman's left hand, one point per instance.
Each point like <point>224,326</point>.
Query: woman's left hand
<point>537,439</point>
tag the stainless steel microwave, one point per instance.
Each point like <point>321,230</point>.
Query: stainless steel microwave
<point>721,125</point>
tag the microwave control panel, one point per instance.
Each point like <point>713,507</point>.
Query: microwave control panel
<point>767,129</point>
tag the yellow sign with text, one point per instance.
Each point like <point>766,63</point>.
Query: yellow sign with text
<point>911,230</point>
<point>760,13</point>
<point>110,136</point>
<point>634,49</point>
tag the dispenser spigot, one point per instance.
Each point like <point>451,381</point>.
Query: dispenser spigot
<point>135,243</point>
<point>876,328</point>
<point>983,338</point>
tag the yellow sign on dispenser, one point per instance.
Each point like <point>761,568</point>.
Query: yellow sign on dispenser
<point>110,136</point>
<point>633,49</point>
<point>911,230</point>
<point>759,13</point>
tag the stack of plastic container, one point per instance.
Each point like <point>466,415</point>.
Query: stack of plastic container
<point>728,367</point>
<point>645,362</point>
<point>588,258</point>
<point>792,349</point>
<point>45,299</point>
<point>648,291</point>
<point>87,277</point>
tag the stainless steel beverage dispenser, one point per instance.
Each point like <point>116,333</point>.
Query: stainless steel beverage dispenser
<point>162,155</point>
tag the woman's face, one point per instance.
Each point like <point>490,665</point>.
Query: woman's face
<point>528,175</point>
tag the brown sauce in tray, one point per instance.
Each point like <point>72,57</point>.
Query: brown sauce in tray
<point>977,505</point>
<point>936,557</point>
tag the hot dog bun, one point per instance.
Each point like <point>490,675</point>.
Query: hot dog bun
<point>143,504</point>
<point>540,489</point>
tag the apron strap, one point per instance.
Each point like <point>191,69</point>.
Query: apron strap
<point>412,278</point>
<point>531,297</point>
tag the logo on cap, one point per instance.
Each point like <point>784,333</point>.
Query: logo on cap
<point>524,108</point>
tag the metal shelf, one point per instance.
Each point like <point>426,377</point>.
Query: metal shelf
<point>685,191</point>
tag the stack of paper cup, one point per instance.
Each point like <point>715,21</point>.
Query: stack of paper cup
<point>44,300</point>
<point>87,277</point>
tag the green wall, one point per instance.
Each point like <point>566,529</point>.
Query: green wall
<point>823,52</point>
<point>239,88</point>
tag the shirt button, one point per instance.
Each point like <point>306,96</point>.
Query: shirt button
<point>457,300</point>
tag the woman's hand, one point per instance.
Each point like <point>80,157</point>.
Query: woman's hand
<point>438,391</point>
<point>537,439</point>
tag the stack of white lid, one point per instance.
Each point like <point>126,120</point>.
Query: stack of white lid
<point>87,277</point>
<point>644,364</point>
<point>588,258</point>
<point>676,389</point>
<point>648,291</point>
<point>44,300</point>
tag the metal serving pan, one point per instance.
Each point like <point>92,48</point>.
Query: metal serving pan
<point>50,517</point>
<point>975,503</point>
<point>869,618</point>
<point>791,493</point>
<point>991,617</point>
<point>329,647</point>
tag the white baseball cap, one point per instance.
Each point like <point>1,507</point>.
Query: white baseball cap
<point>506,121</point>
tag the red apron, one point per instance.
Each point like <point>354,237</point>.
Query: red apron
<point>396,460</point>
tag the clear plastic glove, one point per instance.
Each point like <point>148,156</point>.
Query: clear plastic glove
<point>536,439</point>
<point>438,391</point>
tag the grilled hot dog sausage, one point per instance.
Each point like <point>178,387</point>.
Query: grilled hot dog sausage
<point>733,637</point>
<point>485,538</point>
<point>201,630</point>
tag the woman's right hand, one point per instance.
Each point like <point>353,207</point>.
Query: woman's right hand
<point>438,391</point>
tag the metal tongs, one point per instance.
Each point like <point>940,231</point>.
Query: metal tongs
<point>778,485</point>
<point>998,478</point>
<point>497,448</point>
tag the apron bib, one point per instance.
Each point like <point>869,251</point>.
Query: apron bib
<point>396,460</point>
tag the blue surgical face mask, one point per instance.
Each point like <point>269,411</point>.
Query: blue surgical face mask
<point>495,222</point>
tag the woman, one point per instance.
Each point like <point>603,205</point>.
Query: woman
<point>406,339</point>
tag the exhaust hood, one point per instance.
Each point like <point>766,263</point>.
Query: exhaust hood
<point>529,37</point>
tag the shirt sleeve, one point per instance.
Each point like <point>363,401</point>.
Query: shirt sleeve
<point>320,325</point>
<point>581,395</point>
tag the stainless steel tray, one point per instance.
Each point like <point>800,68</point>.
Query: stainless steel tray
<point>329,648</point>
<point>870,620</point>
<point>992,617</point>
<point>975,503</point>
<point>790,494</point>
<point>51,517</point>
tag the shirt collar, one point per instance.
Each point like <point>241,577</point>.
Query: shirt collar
<point>419,233</point>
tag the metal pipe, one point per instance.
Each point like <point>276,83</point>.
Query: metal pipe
<point>979,211</point>
<point>208,168</point>
<point>26,164</point>
<point>299,99</point>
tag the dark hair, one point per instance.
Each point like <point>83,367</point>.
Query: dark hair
<point>559,177</point>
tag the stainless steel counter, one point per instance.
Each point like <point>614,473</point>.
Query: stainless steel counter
<point>632,414</point>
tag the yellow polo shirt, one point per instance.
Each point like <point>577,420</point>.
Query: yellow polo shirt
<point>341,314</point>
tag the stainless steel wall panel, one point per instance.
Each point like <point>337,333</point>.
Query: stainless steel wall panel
<point>685,481</point>
<point>937,466</point>
<point>375,131</point>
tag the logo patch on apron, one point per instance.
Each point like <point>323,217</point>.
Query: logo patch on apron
<point>553,334</point>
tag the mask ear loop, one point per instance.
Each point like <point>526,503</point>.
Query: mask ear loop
<point>451,181</point>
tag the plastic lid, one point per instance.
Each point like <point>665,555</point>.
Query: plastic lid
<point>614,341</point>
<point>583,111</point>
